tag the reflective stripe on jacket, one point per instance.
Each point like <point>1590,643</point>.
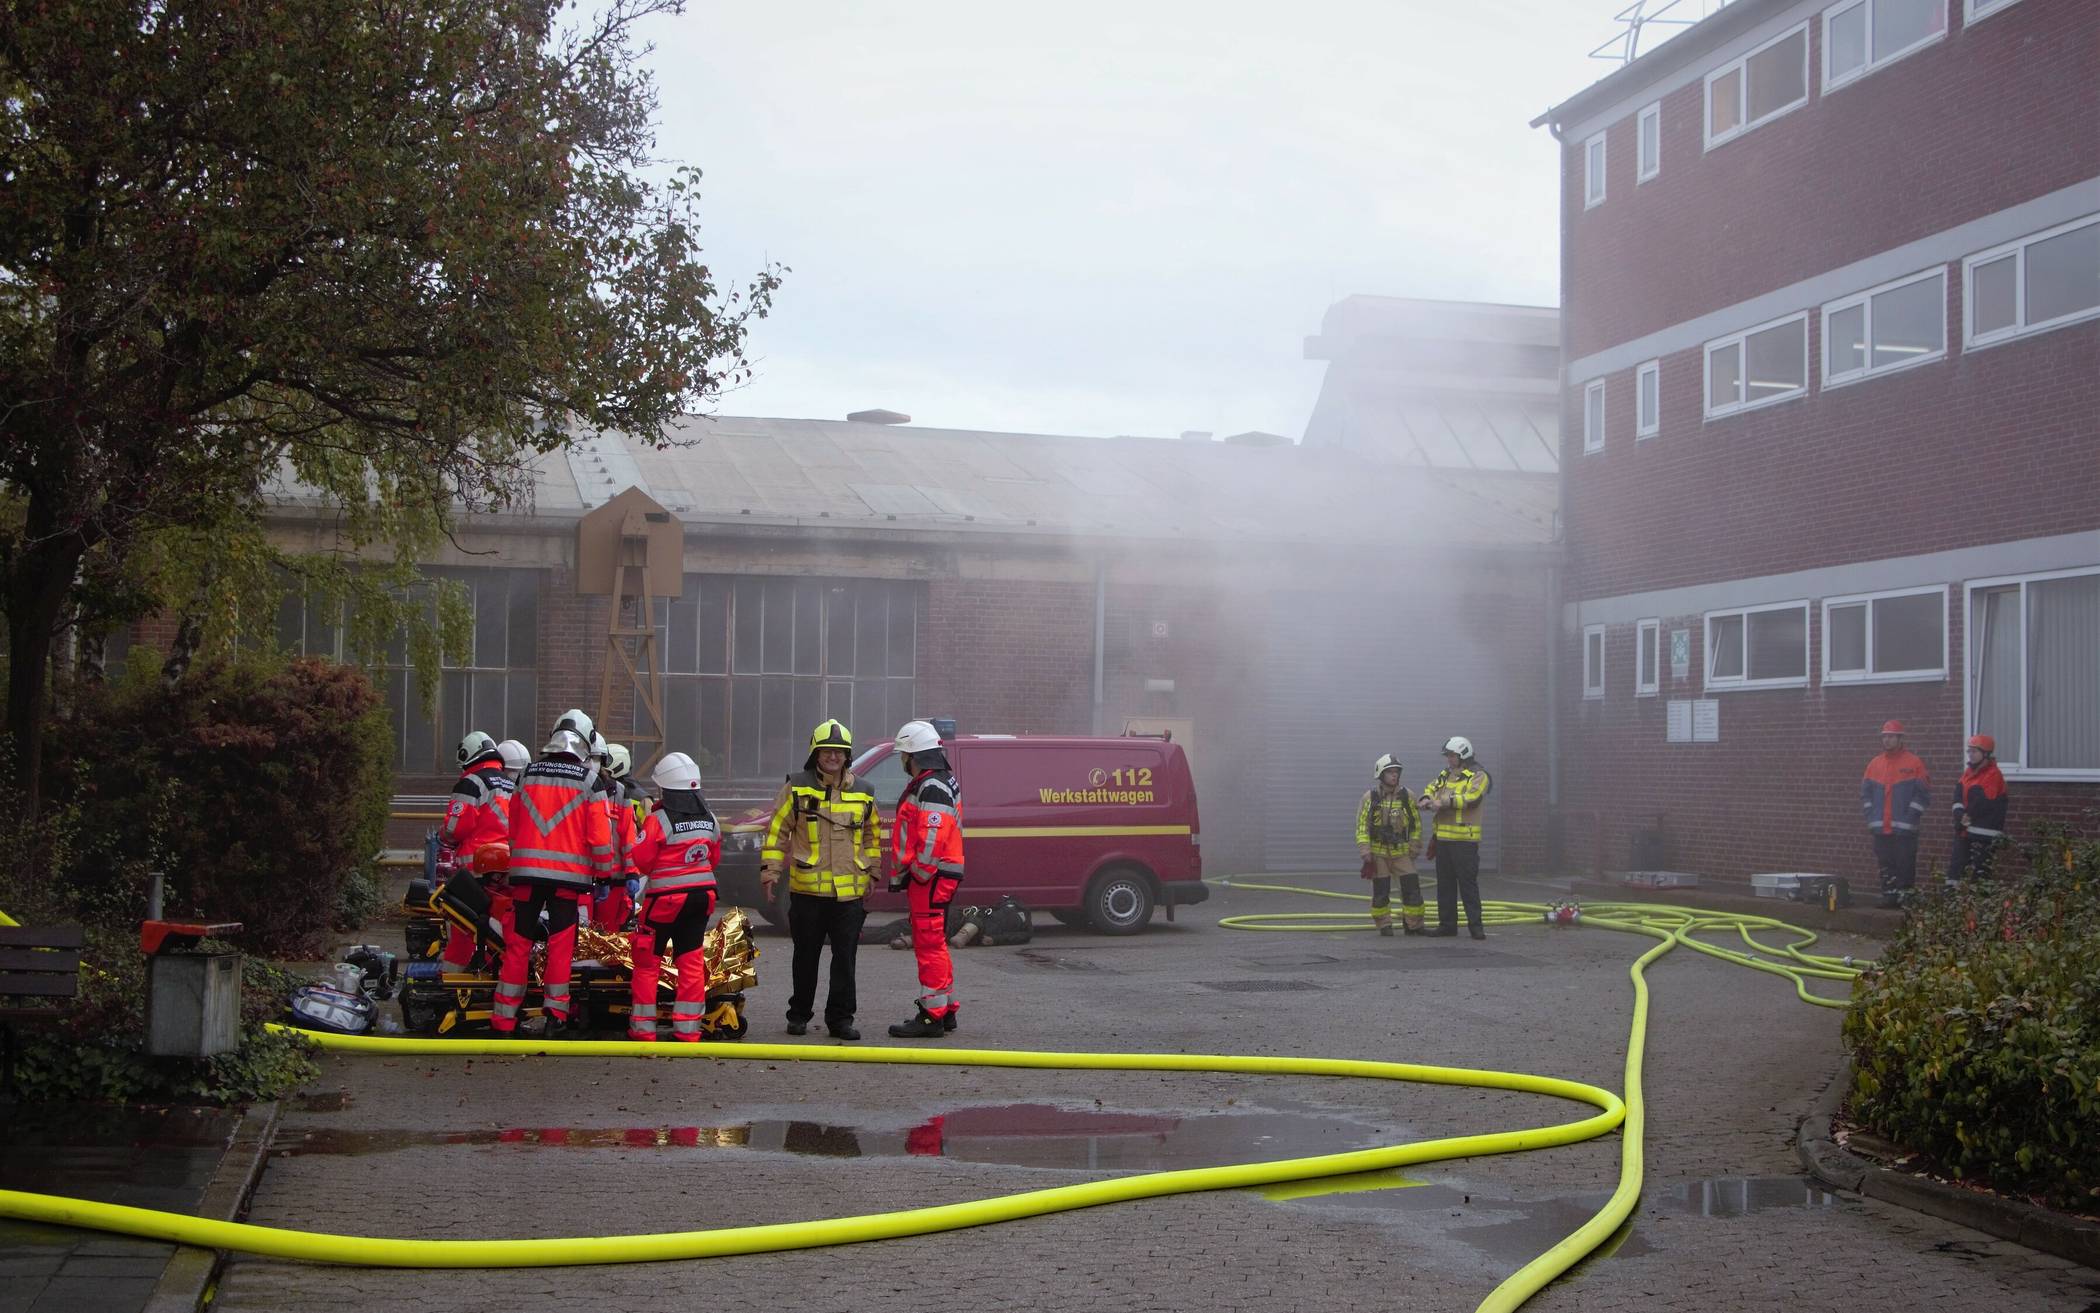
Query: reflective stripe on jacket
<point>1981,798</point>
<point>1462,793</point>
<point>559,834</point>
<point>929,840</point>
<point>619,822</point>
<point>827,837</point>
<point>1400,819</point>
<point>1895,792</point>
<point>474,815</point>
<point>676,853</point>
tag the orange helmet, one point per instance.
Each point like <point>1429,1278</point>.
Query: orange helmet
<point>491,858</point>
<point>1984,742</point>
<point>1892,727</point>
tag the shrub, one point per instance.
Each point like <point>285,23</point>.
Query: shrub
<point>1977,1038</point>
<point>260,788</point>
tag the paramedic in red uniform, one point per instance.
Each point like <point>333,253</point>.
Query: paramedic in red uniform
<point>1980,806</point>
<point>1893,797</point>
<point>929,860</point>
<point>560,843</point>
<point>676,853</point>
<point>474,815</point>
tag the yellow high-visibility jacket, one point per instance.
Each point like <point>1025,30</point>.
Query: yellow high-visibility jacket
<point>828,838</point>
<point>1459,795</point>
<point>1401,819</point>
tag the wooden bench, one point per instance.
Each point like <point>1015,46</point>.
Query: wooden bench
<point>39,964</point>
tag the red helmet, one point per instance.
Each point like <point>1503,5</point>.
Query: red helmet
<point>1892,727</point>
<point>1984,742</point>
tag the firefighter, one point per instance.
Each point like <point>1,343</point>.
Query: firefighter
<point>560,844</point>
<point>474,815</point>
<point>1893,796</point>
<point>516,757</point>
<point>617,901</point>
<point>1388,838</point>
<point>826,837</point>
<point>928,853</point>
<point>676,853</point>
<point>1456,796</point>
<point>1980,806</point>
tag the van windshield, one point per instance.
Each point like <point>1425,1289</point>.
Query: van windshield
<point>881,772</point>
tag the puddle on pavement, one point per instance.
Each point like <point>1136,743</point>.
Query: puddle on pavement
<point>1014,1134</point>
<point>145,1157</point>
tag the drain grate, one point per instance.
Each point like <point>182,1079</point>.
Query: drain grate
<point>1057,961</point>
<point>1257,986</point>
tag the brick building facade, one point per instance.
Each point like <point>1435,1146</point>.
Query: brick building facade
<point>1831,418</point>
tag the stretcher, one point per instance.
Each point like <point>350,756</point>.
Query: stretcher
<point>436,1000</point>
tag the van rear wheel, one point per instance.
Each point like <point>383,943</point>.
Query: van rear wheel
<point>1120,901</point>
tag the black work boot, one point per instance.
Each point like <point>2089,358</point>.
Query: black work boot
<point>842,1029</point>
<point>1444,932</point>
<point>948,1022</point>
<point>1386,931</point>
<point>1479,933</point>
<point>923,1026</point>
<point>798,1028</point>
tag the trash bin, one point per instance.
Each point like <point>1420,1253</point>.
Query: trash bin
<point>193,1004</point>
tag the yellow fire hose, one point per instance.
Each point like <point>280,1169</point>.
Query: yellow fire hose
<point>1670,925</point>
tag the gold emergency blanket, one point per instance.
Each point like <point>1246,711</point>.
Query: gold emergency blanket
<point>731,956</point>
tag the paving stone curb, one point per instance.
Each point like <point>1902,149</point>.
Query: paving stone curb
<point>187,1278</point>
<point>2008,1219</point>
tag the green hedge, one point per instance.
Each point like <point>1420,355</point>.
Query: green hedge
<point>1977,1039</point>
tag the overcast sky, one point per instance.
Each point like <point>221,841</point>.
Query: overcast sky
<point>1106,218</point>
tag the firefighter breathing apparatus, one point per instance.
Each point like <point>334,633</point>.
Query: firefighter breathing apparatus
<point>1671,926</point>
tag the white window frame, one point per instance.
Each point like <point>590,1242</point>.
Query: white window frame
<point>1971,14</point>
<point>1647,633</point>
<point>1741,340</point>
<point>1741,63</point>
<point>1594,152</point>
<point>1653,425</point>
<point>1593,442</point>
<point>2020,328</point>
<point>1644,168</point>
<point>1593,691</point>
<point>1731,683</point>
<point>1865,300</point>
<point>1873,65</point>
<point>1867,676</point>
<point>2013,770</point>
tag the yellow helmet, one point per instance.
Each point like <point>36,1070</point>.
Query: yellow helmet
<point>830,734</point>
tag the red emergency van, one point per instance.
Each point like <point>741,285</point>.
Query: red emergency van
<point>1095,831</point>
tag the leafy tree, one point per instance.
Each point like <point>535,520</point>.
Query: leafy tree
<point>388,249</point>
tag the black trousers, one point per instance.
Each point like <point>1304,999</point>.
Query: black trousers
<point>1973,856</point>
<point>1897,856</point>
<point>813,922</point>
<point>1457,880</point>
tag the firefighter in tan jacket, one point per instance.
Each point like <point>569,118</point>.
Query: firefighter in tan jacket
<point>1388,837</point>
<point>826,838</point>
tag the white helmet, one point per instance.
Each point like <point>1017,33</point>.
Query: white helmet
<point>516,756</point>
<point>475,746</point>
<point>565,743</point>
<point>917,736</point>
<point>597,746</point>
<point>1385,763</point>
<point>618,760</point>
<point>1460,745</point>
<point>677,773</point>
<point>574,719</point>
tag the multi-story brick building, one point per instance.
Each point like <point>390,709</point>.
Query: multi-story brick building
<point>1831,344</point>
<point>1290,613</point>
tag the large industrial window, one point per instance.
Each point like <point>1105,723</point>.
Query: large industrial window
<point>490,684</point>
<point>1900,324</point>
<point>1757,367</point>
<point>1860,36</point>
<point>2034,672</point>
<point>2037,283</point>
<point>752,665</point>
<point>1758,647</point>
<point>1760,86</point>
<point>1886,637</point>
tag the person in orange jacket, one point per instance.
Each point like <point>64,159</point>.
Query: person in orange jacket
<point>1980,807</point>
<point>474,815</point>
<point>676,853</point>
<point>1893,796</point>
<point>560,844</point>
<point>929,862</point>
<point>616,902</point>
